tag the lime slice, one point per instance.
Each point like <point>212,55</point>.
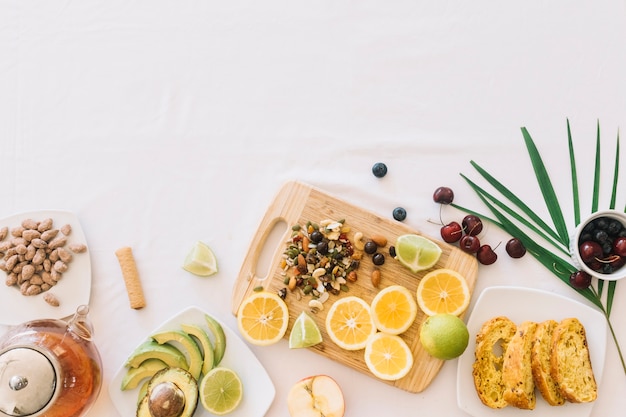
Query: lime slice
<point>201,260</point>
<point>304,333</point>
<point>416,252</point>
<point>221,391</point>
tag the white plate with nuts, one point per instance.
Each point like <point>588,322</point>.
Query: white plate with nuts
<point>45,264</point>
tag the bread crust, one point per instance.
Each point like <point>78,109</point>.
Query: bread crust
<point>570,363</point>
<point>491,344</point>
<point>517,377</point>
<point>540,361</point>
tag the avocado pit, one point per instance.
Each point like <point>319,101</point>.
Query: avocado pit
<point>166,400</point>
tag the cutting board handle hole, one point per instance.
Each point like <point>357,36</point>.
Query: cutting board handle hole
<point>272,243</point>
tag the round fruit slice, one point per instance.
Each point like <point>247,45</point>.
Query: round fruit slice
<point>388,356</point>
<point>349,323</point>
<point>262,318</point>
<point>201,260</point>
<point>221,391</point>
<point>394,309</point>
<point>305,332</point>
<point>416,252</point>
<point>443,291</point>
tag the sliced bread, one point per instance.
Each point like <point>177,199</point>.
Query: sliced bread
<point>540,360</point>
<point>517,376</point>
<point>491,344</point>
<point>570,363</point>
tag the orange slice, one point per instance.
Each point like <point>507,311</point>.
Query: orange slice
<point>349,323</point>
<point>262,318</point>
<point>394,309</point>
<point>443,291</point>
<point>388,356</point>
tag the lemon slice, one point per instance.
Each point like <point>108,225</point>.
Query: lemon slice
<point>388,356</point>
<point>201,260</point>
<point>349,323</point>
<point>443,291</point>
<point>221,391</point>
<point>416,252</point>
<point>304,332</point>
<point>262,318</point>
<point>394,309</point>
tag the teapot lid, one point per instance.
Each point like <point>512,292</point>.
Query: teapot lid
<point>28,381</point>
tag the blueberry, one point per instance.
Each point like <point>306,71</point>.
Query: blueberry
<point>379,170</point>
<point>399,214</point>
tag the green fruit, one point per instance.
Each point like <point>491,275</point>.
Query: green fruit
<point>304,333</point>
<point>204,341</point>
<point>220,338</point>
<point>171,392</point>
<point>150,349</point>
<point>195,356</point>
<point>444,336</point>
<point>146,369</point>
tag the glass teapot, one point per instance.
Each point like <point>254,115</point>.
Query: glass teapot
<point>49,368</point>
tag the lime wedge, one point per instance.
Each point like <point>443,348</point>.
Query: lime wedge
<point>416,252</point>
<point>221,391</point>
<point>201,260</point>
<point>304,333</point>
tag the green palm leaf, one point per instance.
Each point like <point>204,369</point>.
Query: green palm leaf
<point>549,196</point>
<point>512,218</point>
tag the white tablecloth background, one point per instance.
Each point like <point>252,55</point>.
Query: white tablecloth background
<point>160,123</point>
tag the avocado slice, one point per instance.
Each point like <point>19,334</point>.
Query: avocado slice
<point>146,369</point>
<point>172,392</point>
<point>203,339</point>
<point>152,350</point>
<point>195,356</point>
<point>220,338</point>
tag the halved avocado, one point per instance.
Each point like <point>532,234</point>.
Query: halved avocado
<point>146,369</point>
<point>195,356</point>
<point>172,392</point>
<point>203,339</point>
<point>152,350</point>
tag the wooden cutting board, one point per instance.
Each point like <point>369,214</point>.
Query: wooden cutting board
<point>297,203</point>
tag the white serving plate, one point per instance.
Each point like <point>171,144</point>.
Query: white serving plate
<point>520,304</point>
<point>258,389</point>
<point>72,290</point>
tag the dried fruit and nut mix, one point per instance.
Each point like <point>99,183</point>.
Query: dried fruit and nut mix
<point>320,259</point>
<point>36,254</point>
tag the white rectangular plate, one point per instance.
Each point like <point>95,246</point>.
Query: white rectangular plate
<point>258,389</point>
<point>521,304</point>
<point>72,290</point>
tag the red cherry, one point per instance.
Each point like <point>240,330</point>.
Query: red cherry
<point>472,225</point>
<point>590,251</point>
<point>619,246</point>
<point>451,232</point>
<point>515,248</point>
<point>469,243</point>
<point>580,280</point>
<point>443,195</point>
<point>486,255</point>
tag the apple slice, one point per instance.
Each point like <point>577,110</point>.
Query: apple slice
<point>316,396</point>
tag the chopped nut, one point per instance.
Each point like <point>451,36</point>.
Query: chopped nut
<point>376,278</point>
<point>51,299</point>
<point>352,276</point>
<point>380,240</point>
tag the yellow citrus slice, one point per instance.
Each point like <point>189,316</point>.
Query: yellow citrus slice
<point>262,318</point>
<point>349,323</point>
<point>388,356</point>
<point>416,252</point>
<point>221,391</point>
<point>200,260</point>
<point>443,291</point>
<point>394,309</point>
